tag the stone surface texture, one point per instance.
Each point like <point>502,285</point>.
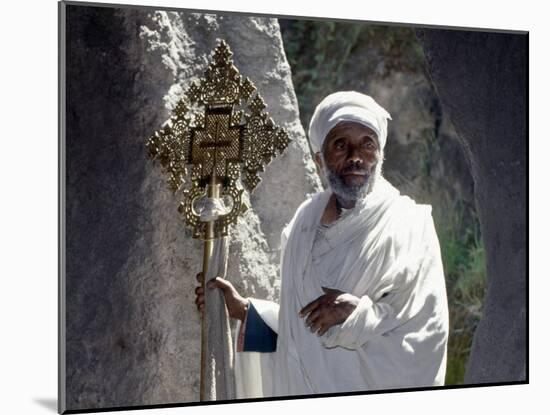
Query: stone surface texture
<point>481,78</point>
<point>133,333</point>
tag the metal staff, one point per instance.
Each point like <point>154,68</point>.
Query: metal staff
<point>214,146</point>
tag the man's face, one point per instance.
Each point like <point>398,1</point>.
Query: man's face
<point>350,154</point>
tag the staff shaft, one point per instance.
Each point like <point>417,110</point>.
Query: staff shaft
<point>213,193</point>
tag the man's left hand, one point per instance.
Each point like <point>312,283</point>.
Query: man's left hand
<point>332,308</point>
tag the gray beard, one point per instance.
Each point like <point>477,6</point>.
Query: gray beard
<point>351,194</point>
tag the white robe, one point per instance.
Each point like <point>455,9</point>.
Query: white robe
<point>385,252</point>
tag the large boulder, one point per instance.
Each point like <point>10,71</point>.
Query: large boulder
<point>481,78</point>
<point>132,330</point>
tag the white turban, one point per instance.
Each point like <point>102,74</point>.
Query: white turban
<point>347,106</point>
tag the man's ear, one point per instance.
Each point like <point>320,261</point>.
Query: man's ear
<point>318,161</point>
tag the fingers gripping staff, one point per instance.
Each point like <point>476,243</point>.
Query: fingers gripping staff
<point>210,145</point>
<point>236,304</point>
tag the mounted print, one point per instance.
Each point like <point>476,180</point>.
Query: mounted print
<point>257,207</point>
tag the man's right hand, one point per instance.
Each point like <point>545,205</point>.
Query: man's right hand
<point>235,303</point>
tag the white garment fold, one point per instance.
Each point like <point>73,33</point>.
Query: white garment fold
<point>386,253</point>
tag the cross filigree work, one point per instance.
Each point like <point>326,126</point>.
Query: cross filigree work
<point>216,144</point>
<point>220,144</point>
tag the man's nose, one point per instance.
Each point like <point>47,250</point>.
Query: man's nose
<point>354,156</point>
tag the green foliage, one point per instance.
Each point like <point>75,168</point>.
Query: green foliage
<point>462,254</point>
<point>322,54</point>
<point>317,51</point>
<point>463,258</point>
<point>430,150</point>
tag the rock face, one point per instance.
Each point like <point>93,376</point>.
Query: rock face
<point>481,79</point>
<point>422,156</point>
<point>133,333</point>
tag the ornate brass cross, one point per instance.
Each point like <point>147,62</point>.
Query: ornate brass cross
<point>219,143</point>
<point>211,141</point>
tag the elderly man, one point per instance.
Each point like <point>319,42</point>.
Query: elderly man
<point>363,304</point>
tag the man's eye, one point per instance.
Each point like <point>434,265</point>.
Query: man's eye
<point>369,144</point>
<point>339,144</point>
